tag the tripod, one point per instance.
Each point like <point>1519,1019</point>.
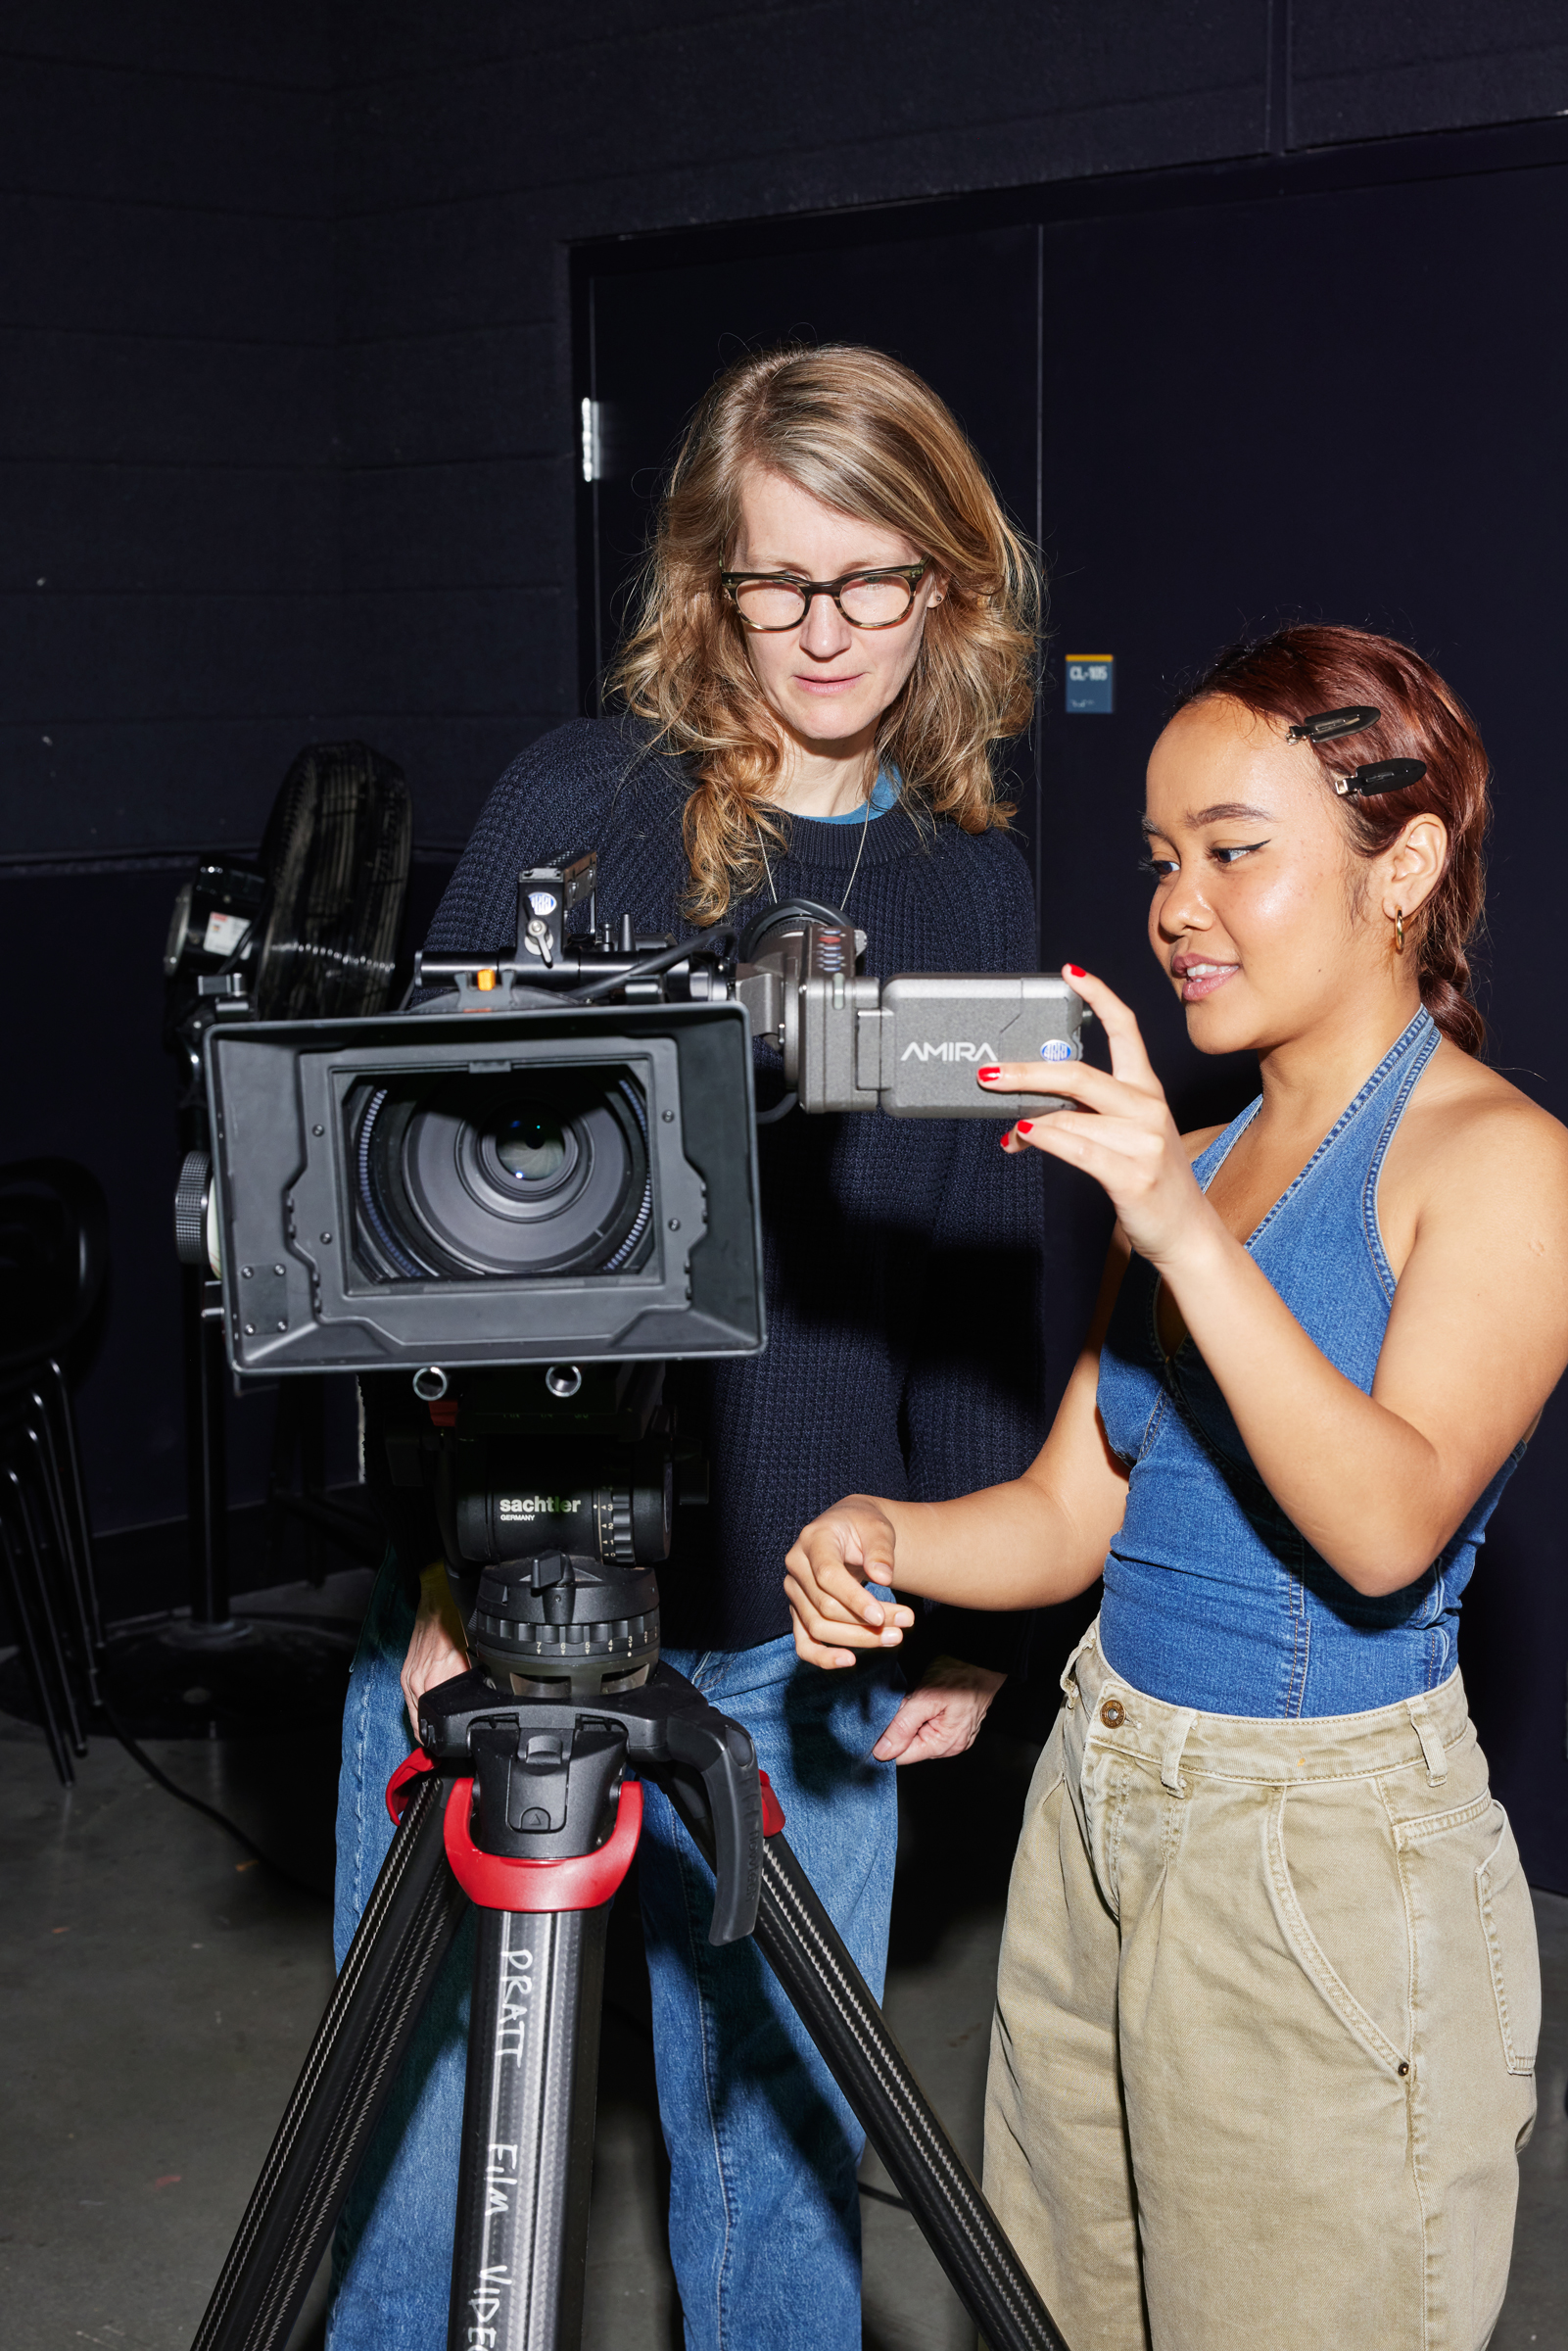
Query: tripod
<point>524,1800</point>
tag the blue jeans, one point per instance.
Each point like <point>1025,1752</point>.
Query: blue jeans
<point>764,2209</point>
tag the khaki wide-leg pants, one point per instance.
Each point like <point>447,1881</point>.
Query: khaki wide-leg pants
<point>1265,2031</point>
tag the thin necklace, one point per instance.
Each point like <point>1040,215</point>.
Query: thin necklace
<point>865,830</point>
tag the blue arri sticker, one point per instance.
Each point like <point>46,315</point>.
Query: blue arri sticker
<point>1091,684</point>
<point>1056,1048</point>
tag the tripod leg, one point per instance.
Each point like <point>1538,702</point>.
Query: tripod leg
<point>285,1443</point>
<point>206,1460</point>
<point>313,1468</point>
<point>807,1954</point>
<point>528,2131</point>
<point>415,1908</point>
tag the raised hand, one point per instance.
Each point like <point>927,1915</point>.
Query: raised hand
<point>826,1574</point>
<point>1123,1135</point>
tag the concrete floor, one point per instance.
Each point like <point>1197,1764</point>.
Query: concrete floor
<point>158,1991</point>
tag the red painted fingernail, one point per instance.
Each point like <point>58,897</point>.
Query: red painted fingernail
<point>1025,1126</point>
<point>1075,971</point>
<point>982,1074</point>
<point>1003,1141</point>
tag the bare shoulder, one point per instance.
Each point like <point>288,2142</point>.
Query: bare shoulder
<point>1471,1137</point>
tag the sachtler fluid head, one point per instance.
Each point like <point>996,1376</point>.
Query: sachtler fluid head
<point>553,1160</point>
<point>555,1498</point>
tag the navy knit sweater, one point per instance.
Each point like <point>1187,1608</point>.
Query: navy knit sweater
<point>902,1256</point>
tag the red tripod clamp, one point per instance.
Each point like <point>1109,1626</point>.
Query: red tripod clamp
<point>400,1786</point>
<point>773,1815</point>
<point>581,1882</point>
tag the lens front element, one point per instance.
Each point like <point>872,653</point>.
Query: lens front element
<point>531,1147</point>
<point>533,1173</point>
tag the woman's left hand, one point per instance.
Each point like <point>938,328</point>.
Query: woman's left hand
<point>1123,1135</point>
<point>942,1716</point>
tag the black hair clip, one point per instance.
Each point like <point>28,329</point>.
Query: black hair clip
<point>1324,725</point>
<point>1383,775</point>
<point>1362,783</point>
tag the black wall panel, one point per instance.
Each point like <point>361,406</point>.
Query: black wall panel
<point>169,586</point>
<point>168,592</point>
<point>1360,73</point>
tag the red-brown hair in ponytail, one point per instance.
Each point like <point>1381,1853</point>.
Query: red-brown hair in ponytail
<point>1307,667</point>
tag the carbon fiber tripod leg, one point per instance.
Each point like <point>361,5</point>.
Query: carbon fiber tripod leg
<point>833,2002</point>
<point>524,2188</point>
<point>415,1908</point>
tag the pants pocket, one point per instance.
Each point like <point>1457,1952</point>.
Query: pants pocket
<point>1509,1921</point>
<point>1333,1882</point>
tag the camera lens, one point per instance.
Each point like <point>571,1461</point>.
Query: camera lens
<point>531,1147</point>
<point>527,1174</point>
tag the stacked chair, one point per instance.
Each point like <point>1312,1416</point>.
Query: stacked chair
<point>54,1256</point>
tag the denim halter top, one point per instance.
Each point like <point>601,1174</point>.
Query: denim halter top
<point>1213,1599</point>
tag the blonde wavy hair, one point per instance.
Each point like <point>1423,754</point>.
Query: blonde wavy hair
<point>867,437</point>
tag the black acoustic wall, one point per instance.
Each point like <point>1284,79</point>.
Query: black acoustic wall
<point>170,558</point>
<point>169,578</point>
<point>287,438</point>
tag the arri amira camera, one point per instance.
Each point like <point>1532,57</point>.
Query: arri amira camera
<point>553,1158</point>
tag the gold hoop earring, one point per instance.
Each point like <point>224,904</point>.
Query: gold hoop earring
<point>1398,931</point>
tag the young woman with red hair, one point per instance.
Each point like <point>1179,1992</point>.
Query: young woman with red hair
<point>1268,1993</point>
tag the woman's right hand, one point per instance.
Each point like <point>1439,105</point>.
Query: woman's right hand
<point>826,1571</point>
<point>438,1649</point>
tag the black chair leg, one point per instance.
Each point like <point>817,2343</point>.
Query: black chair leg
<point>51,1651</point>
<point>69,1520</point>
<point>27,1641</point>
<point>66,1421</point>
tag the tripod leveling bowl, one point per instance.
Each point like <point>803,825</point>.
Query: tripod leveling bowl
<point>497,1780</point>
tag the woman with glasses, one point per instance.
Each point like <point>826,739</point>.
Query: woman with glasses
<point>837,628</point>
<point>1269,1995</point>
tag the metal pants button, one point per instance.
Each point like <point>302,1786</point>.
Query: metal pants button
<point>1113,1714</point>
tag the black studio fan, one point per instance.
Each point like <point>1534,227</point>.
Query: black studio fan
<point>335,855</point>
